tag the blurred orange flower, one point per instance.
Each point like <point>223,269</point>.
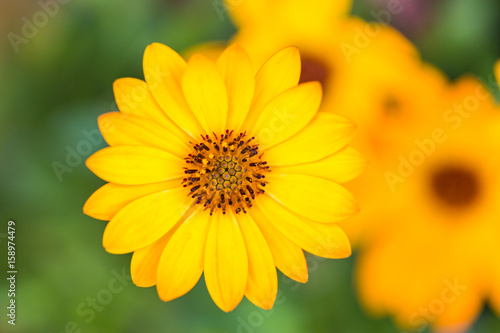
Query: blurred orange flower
<point>344,53</point>
<point>401,100</point>
<point>431,252</point>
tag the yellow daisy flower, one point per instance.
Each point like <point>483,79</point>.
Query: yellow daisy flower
<point>433,257</point>
<point>217,170</point>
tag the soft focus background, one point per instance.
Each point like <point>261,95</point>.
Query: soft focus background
<point>54,84</point>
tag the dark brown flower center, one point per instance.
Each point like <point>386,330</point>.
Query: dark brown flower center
<point>456,187</point>
<point>391,106</point>
<point>225,171</point>
<point>314,70</point>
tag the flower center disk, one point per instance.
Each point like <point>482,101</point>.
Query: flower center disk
<point>225,171</point>
<point>455,186</point>
<point>313,69</point>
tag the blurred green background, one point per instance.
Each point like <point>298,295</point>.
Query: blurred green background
<point>54,88</point>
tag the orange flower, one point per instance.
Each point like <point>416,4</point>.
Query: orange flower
<point>431,252</point>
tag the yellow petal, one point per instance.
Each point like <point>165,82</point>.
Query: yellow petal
<point>226,262</point>
<point>326,134</point>
<point>135,165</point>
<point>341,167</point>
<point>262,286</point>
<point>324,240</point>
<point>144,264</point>
<point>206,94</point>
<point>236,69</point>
<point>497,71</point>
<point>287,114</point>
<point>145,220</point>
<point>280,73</point>
<point>316,198</point>
<point>104,203</point>
<point>163,70</point>
<point>288,257</point>
<point>133,97</point>
<point>181,263</point>
<point>127,130</point>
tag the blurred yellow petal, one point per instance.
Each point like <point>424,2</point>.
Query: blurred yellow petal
<point>145,220</point>
<point>324,240</point>
<point>206,94</point>
<point>326,134</point>
<point>104,203</point>
<point>144,264</point>
<point>236,69</point>
<point>315,12</point>
<point>462,311</point>
<point>163,70</point>
<point>135,165</point>
<point>383,272</point>
<point>212,50</point>
<point>288,257</point>
<point>340,167</point>
<point>287,114</point>
<point>280,73</point>
<point>127,130</point>
<point>262,286</point>
<point>316,198</point>
<point>187,245</point>
<point>133,97</point>
<point>226,262</point>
